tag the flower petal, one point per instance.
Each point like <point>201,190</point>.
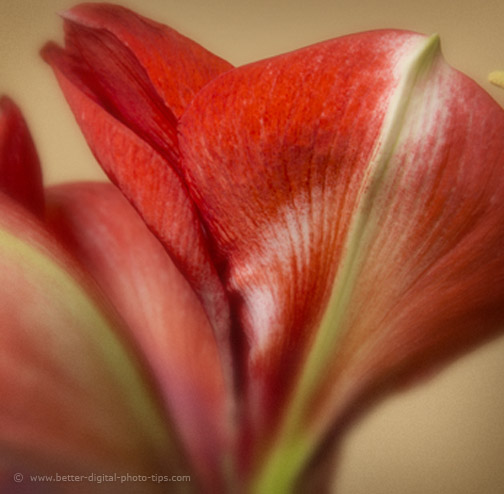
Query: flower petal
<point>20,173</point>
<point>118,86</point>
<point>175,65</point>
<point>427,276</point>
<point>73,396</point>
<point>363,235</point>
<point>167,320</point>
<point>291,137</point>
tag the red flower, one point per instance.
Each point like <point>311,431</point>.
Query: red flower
<point>335,210</point>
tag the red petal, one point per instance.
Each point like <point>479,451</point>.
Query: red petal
<point>73,396</point>
<point>426,279</point>
<point>291,138</point>
<point>431,268</point>
<point>112,86</point>
<point>141,72</point>
<point>176,66</point>
<point>167,320</point>
<point>363,233</point>
<point>20,173</point>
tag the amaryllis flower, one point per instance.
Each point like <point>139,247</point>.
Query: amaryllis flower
<point>328,226</point>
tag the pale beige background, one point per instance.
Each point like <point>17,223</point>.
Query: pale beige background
<point>444,437</point>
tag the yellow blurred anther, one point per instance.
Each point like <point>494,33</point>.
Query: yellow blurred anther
<point>497,77</point>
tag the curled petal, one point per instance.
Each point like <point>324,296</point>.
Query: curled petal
<point>166,319</point>
<point>74,398</point>
<point>20,173</point>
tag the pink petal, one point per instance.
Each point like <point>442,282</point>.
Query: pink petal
<point>74,397</point>
<point>167,321</point>
<point>20,173</point>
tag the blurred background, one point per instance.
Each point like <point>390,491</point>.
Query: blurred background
<point>445,436</point>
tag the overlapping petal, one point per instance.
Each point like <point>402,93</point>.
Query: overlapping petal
<point>74,396</point>
<point>292,137</point>
<point>85,390</point>
<point>176,66</point>
<point>166,320</point>
<point>341,200</point>
<point>364,233</point>
<point>127,80</point>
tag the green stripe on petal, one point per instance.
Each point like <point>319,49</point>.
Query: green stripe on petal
<point>295,442</point>
<point>72,393</point>
<point>362,229</point>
